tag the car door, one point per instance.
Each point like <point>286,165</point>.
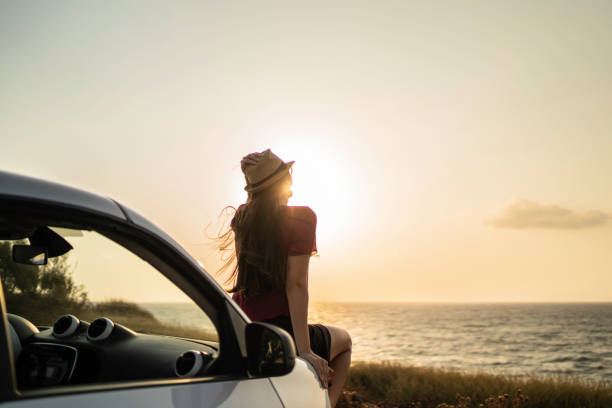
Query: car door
<point>122,271</point>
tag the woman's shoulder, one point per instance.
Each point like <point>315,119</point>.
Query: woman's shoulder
<point>300,225</point>
<point>301,213</point>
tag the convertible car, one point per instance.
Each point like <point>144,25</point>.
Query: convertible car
<point>101,308</point>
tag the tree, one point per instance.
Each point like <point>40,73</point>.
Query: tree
<point>40,293</point>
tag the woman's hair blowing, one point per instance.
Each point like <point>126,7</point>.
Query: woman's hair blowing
<point>260,257</point>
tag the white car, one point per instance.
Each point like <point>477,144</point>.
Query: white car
<point>100,308</point>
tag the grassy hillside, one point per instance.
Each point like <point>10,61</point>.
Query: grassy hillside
<point>392,385</point>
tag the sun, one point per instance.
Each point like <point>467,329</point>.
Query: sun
<point>321,181</point>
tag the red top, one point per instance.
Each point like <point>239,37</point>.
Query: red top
<point>298,228</point>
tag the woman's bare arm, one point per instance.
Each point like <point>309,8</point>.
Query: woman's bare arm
<point>297,296</point>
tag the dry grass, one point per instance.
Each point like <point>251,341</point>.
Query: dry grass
<point>140,320</point>
<point>396,385</point>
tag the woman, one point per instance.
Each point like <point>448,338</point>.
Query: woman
<point>273,244</point>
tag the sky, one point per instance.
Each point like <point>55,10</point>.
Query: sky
<point>453,151</point>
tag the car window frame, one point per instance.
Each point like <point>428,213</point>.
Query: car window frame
<point>167,259</point>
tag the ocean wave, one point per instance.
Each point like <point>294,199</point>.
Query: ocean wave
<point>575,359</point>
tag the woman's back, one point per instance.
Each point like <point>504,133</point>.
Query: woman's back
<point>298,231</point>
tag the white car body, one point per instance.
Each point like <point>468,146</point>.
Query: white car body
<point>299,388</point>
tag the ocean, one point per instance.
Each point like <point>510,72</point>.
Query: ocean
<point>571,339</point>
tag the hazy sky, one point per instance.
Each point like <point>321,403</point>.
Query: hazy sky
<point>453,151</point>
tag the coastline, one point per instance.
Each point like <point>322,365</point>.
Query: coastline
<point>390,385</point>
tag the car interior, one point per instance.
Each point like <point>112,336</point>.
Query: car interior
<point>60,337</point>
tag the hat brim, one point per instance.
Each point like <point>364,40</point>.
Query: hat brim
<point>270,180</point>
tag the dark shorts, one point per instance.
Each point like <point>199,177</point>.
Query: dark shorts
<point>320,340</point>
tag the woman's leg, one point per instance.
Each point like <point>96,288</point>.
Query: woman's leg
<point>339,361</point>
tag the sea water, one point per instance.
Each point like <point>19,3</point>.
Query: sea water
<point>571,339</point>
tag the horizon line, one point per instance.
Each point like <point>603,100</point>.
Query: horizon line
<point>430,301</point>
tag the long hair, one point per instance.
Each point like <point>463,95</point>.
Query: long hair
<point>259,261</point>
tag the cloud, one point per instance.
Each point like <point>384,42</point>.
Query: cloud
<point>523,214</point>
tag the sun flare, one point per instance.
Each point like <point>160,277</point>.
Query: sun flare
<point>321,181</point>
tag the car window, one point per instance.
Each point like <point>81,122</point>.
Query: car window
<point>99,278</point>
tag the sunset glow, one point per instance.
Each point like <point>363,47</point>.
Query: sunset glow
<point>322,180</point>
<point>453,152</point>
<point>456,155</point>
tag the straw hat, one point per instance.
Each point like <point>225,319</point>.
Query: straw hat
<point>262,169</point>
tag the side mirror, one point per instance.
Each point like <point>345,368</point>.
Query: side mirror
<point>270,350</point>
<point>30,254</point>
